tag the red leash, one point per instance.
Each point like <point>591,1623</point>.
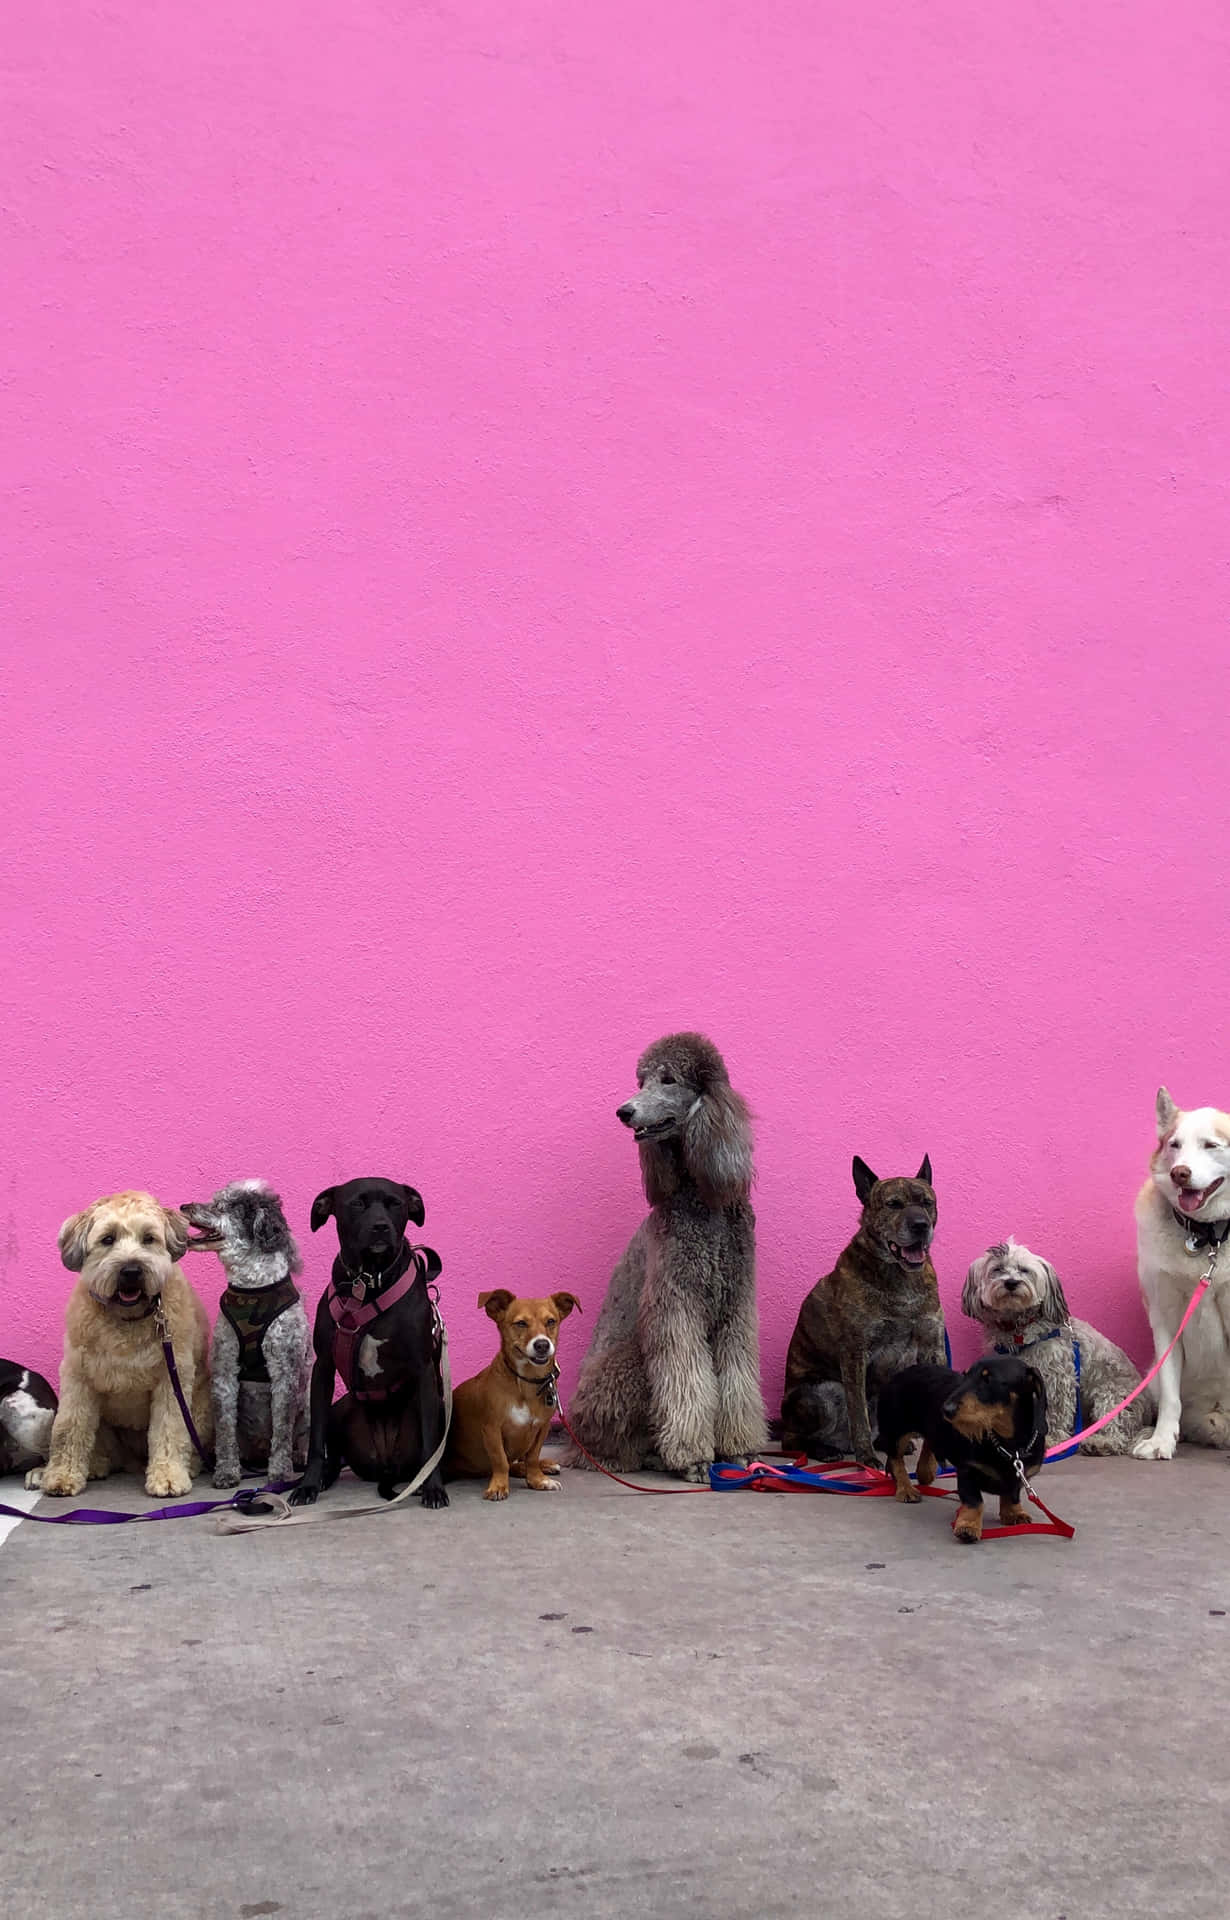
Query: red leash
<point>761,1477</point>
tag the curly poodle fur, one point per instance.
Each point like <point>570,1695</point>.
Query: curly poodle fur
<point>672,1375</point>
<point>1017,1298</point>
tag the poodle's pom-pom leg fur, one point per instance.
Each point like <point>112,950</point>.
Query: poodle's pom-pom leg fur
<point>740,1428</point>
<point>608,1410</point>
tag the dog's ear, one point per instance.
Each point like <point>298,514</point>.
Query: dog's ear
<point>414,1205</point>
<point>864,1180</point>
<point>565,1303</point>
<point>176,1227</point>
<point>1037,1387</point>
<point>1054,1300</point>
<point>717,1145</point>
<point>322,1207</point>
<point>972,1290</point>
<point>266,1230</point>
<point>1167,1113</point>
<point>924,1172</point>
<point>498,1301</point>
<point>72,1239</point>
<point>430,1261</point>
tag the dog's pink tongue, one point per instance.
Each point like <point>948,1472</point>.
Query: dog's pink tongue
<point>1192,1199</point>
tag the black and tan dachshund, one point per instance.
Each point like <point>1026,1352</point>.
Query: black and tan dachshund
<point>983,1422</point>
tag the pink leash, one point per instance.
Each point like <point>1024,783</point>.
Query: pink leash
<point>1202,1287</point>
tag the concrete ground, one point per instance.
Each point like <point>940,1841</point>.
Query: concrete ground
<point>591,1703</point>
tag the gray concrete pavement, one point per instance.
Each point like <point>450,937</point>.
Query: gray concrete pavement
<point>593,1704</point>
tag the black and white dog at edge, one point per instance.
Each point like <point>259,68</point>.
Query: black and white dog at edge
<point>261,1355</point>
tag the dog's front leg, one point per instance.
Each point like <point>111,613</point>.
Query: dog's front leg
<point>170,1449</point>
<point>739,1426</point>
<point>1163,1438</point>
<point>324,1376</point>
<point>225,1388</point>
<point>854,1382</point>
<point>431,1426</point>
<point>968,1524</point>
<point>73,1434</point>
<point>532,1469</point>
<point>497,1460</point>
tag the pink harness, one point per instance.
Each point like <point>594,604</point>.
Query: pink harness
<point>351,1319</point>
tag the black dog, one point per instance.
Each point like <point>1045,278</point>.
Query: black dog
<point>27,1410</point>
<point>984,1422</point>
<point>376,1325</point>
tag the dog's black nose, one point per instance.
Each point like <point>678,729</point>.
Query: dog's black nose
<point>626,1113</point>
<point>132,1271</point>
<point>1010,1286</point>
<point>540,1348</point>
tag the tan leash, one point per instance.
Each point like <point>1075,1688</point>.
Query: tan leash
<point>284,1515</point>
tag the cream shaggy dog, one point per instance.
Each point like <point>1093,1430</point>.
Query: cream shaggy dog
<point>1182,1223</point>
<point>116,1397</point>
<point>1018,1300</point>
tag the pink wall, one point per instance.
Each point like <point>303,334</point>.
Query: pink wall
<point>526,526</point>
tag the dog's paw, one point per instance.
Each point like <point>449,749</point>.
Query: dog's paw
<point>306,1494</point>
<point>61,1482</point>
<point>1101,1446</point>
<point>1156,1445</point>
<point>539,1483</point>
<point>162,1483</point>
<point>496,1493</point>
<point>34,1479</point>
<point>1015,1516</point>
<point>436,1496</point>
<point>870,1459</point>
<point>226,1476</point>
<point>696,1472</point>
<point>549,1466</point>
<point>909,1496</point>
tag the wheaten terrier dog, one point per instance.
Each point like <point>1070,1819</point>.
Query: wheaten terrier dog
<point>116,1399</point>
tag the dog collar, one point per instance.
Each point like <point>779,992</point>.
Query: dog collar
<point>360,1285</point>
<point>1200,1235</point>
<point>1017,1343</point>
<point>547,1389</point>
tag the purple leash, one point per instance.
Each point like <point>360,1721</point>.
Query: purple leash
<point>204,1453</point>
<point>103,1517</point>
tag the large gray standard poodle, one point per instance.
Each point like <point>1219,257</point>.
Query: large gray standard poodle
<point>672,1375</point>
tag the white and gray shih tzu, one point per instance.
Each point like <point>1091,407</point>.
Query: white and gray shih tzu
<point>1018,1300</point>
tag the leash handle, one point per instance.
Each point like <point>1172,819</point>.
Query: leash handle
<point>310,1516</point>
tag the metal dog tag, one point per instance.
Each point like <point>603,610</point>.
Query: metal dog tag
<point>1192,1244</point>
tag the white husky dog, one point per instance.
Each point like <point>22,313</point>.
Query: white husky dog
<point>1182,1223</point>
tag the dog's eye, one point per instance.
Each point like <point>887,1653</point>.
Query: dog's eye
<point>668,1079</point>
<point>1209,1146</point>
<point>549,1324</point>
<point>149,1240</point>
<point>106,1239</point>
<point>521,1325</point>
<point>896,1205</point>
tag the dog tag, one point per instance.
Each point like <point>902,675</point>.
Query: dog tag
<point>1192,1244</point>
<point>358,1292</point>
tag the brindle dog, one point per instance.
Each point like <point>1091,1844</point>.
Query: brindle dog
<point>878,1311</point>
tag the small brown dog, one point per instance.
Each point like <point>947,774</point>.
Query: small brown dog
<point>502,1416</point>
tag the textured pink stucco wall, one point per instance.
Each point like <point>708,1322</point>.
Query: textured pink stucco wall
<point>526,526</point>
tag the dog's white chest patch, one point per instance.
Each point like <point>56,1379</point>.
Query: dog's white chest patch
<point>520,1415</point>
<point>369,1355</point>
<point>27,1422</point>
